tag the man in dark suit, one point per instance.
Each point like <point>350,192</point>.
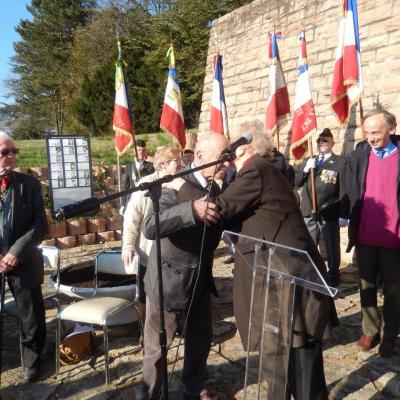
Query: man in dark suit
<point>330,179</point>
<point>22,228</point>
<point>261,204</point>
<point>137,169</point>
<point>187,274</point>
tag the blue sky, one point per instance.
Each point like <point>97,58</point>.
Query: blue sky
<point>11,12</point>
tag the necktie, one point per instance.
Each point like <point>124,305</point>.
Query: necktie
<point>381,153</point>
<point>4,182</point>
<point>319,163</point>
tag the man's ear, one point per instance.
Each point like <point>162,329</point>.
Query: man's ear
<point>199,155</point>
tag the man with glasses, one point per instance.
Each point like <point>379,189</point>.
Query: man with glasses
<point>330,172</point>
<point>23,226</point>
<point>374,228</point>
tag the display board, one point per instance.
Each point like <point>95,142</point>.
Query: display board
<point>70,169</point>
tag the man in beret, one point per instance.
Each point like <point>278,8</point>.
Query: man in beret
<point>330,170</point>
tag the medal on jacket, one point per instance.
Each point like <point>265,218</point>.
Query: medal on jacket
<point>328,176</point>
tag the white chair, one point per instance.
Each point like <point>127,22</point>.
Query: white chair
<point>52,258</point>
<point>101,311</point>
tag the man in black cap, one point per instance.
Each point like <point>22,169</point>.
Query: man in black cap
<point>330,200</point>
<point>137,169</point>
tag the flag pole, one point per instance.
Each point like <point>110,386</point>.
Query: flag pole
<point>361,117</point>
<point>277,138</point>
<point>313,192</point>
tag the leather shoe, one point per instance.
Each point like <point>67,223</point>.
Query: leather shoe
<point>386,349</point>
<point>366,343</point>
<point>31,374</point>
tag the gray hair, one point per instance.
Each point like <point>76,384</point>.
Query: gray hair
<point>389,118</point>
<point>5,137</point>
<point>262,142</point>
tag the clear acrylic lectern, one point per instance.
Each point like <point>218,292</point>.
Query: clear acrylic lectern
<point>277,274</point>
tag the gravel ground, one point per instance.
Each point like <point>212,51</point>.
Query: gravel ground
<point>350,374</point>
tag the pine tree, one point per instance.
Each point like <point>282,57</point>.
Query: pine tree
<point>41,63</point>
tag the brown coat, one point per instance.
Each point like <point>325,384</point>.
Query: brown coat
<point>261,204</point>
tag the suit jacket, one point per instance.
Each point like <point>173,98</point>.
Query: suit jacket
<point>29,226</point>
<point>182,252</point>
<point>132,175</point>
<point>330,189</point>
<point>261,204</point>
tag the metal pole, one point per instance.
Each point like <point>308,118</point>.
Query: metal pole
<point>119,179</point>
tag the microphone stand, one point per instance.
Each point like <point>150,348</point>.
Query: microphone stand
<point>154,188</point>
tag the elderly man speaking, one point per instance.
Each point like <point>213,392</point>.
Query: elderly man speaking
<point>187,252</point>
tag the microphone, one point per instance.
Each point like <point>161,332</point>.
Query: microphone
<point>246,138</point>
<point>90,205</point>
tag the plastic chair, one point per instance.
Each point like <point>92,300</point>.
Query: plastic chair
<point>52,258</point>
<point>101,311</point>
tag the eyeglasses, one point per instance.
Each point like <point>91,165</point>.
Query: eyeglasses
<point>8,152</point>
<point>323,141</point>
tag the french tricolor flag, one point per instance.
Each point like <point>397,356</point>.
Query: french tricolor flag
<point>347,85</point>
<point>304,122</point>
<point>278,105</point>
<point>172,114</point>
<point>219,117</point>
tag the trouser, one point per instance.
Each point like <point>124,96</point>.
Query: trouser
<point>30,309</point>
<point>377,264</point>
<point>197,336</point>
<point>306,378</point>
<point>326,234</point>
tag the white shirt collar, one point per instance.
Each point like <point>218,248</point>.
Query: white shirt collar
<point>326,156</point>
<point>199,177</point>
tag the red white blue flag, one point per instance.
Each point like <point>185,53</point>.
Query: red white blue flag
<point>172,114</point>
<point>278,105</point>
<point>347,85</point>
<point>219,117</point>
<point>122,120</point>
<point>304,122</point>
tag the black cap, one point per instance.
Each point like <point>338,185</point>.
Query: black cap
<point>140,143</point>
<point>326,133</point>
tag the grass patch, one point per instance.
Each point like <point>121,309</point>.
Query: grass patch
<point>33,153</point>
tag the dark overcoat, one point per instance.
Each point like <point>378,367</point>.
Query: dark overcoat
<point>28,229</point>
<point>261,204</point>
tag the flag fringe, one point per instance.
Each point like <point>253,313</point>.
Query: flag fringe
<point>125,133</point>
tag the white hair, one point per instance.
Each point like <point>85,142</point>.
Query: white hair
<point>5,137</point>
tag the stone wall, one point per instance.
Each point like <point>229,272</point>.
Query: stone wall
<point>242,38</point>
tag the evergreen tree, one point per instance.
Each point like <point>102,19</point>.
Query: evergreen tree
<point>41,63</point>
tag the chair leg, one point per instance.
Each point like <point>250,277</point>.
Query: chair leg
<point>106,361</point>
<point>58,340</point>
<point>21,349</point>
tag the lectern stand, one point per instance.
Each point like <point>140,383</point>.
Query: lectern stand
<point>280,278</point>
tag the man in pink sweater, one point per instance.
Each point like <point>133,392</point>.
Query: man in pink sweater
<point>374,229</point>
